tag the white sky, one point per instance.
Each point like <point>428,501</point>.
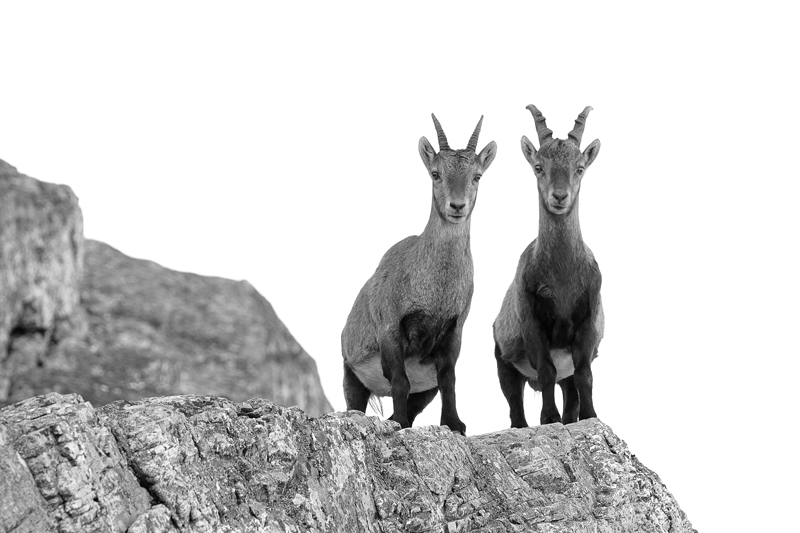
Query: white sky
<point>279,145</point>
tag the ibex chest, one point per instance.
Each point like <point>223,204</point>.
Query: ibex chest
<point>441,286</point>
<point>560,312</point>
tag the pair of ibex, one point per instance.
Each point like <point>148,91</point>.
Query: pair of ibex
<point>403,335</point>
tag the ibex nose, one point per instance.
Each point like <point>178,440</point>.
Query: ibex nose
<point>457,207</point>
<point>560,195</point>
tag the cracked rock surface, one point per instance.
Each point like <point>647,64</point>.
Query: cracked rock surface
<point>80,480</point>
<point>204,463</point>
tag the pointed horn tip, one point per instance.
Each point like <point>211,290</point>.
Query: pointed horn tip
<point>443,144</point>
<point>473,140</point>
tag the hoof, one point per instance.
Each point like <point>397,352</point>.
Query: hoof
<point>456,427</point>
<point>403,424</point>
<point>550,418</point>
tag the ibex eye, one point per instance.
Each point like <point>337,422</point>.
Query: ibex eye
<point>580,171</point>
<point>538,168</point>
<point>435,175</point>
<point>477,177</point>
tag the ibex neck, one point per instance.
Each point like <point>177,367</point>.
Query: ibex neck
<point>441,234</point>
<point>560,235</point>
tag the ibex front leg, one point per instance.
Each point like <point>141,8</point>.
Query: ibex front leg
<point>446,357</point>
<point>583,351</point>
<point>538,350</point>
<point>394,369</point>
<point>512,383</point>
<point>571,405</point>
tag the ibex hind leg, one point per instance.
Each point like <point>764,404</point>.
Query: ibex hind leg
<point>355,393</point>
<point>512,383</point>
<point>571,403</point>
<point>419,401</point>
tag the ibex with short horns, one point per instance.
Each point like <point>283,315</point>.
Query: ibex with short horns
<point>403,335</point>
<point>551,320</point>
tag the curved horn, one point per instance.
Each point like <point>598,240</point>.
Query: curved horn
<point>545,133</point>
<point>580,123</point>
<point>440,133</point>
<point>473,141</point>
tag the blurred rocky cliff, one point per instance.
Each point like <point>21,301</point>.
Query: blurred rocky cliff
<point>78,316</point>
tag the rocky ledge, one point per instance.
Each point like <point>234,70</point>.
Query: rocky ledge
<point>204,463</point>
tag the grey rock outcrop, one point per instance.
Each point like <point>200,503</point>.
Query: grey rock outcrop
<point>41,255</point>
<point>71,467</point>
<point>78,316</point>
<point>192,463</point>
<point>158,331</point>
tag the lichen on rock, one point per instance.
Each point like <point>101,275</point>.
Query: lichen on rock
<point>204,463</point>
<point>83,481</point>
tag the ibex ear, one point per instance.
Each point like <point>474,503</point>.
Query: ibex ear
<point>528,150</point>
<point>487,155</point>
<point>591,152</point>
<point>426,152</point>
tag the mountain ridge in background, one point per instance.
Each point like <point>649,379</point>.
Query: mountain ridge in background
<point>78,316</point>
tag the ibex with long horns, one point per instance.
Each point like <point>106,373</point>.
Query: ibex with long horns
<point>403,335</point>
<point>551,320</point>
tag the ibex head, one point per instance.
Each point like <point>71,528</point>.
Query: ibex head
<point>559,165</point>
<point>455,173</point>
